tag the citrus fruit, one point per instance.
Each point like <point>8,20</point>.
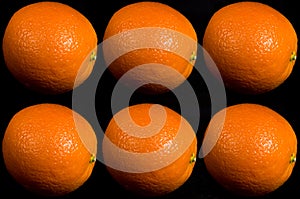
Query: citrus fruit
<point>253,149</point>
<point>153,44</point>
<point>49,149</point>
<point>149,149</point>
<point>253,45</point>
<point>49,47</point>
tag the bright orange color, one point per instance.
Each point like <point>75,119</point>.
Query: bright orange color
<point>47,152</point>
<point>253,45</point>
<point>155,34</point>
<point>49,47</point>
<point>256,150</point>
<point>153,156</point>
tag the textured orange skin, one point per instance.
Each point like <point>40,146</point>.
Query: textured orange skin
<point>149,14</point>
<point>43,152</point>
<point>252,155</point>
<point>161,181</point>
<point>251,44</point>
<point>46,43</point>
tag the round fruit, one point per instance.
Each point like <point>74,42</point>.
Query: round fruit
<point>49,47</point>
<point>253,45</point>
<point>252,149</point>
<point>49,149</point>
<point>149,149</point>
<point>155,40</point>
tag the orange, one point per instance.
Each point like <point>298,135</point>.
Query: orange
<point>253,45</point>
<point>253,149</point>
<point>155,40</point>
<point>149,149</point>
<point>49,149</point>
<point>49,47</point>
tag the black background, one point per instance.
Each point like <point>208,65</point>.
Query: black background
<point>14,97</point>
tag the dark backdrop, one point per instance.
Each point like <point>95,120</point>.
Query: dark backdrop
<point>14,97</point>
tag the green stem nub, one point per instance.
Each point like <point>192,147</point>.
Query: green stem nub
<point>92,159</point>
<point>193,158</point>
<point>293,56</point>
<point>193,57</point>
<point>293,158</point>
<point>93,56</point>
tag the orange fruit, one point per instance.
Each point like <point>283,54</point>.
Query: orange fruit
<point>155,40</point>
<point>253,45</point>
<point>149,149</point>
<point>49,47</point>
<point>253,149</point>
<point>49,149</point>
